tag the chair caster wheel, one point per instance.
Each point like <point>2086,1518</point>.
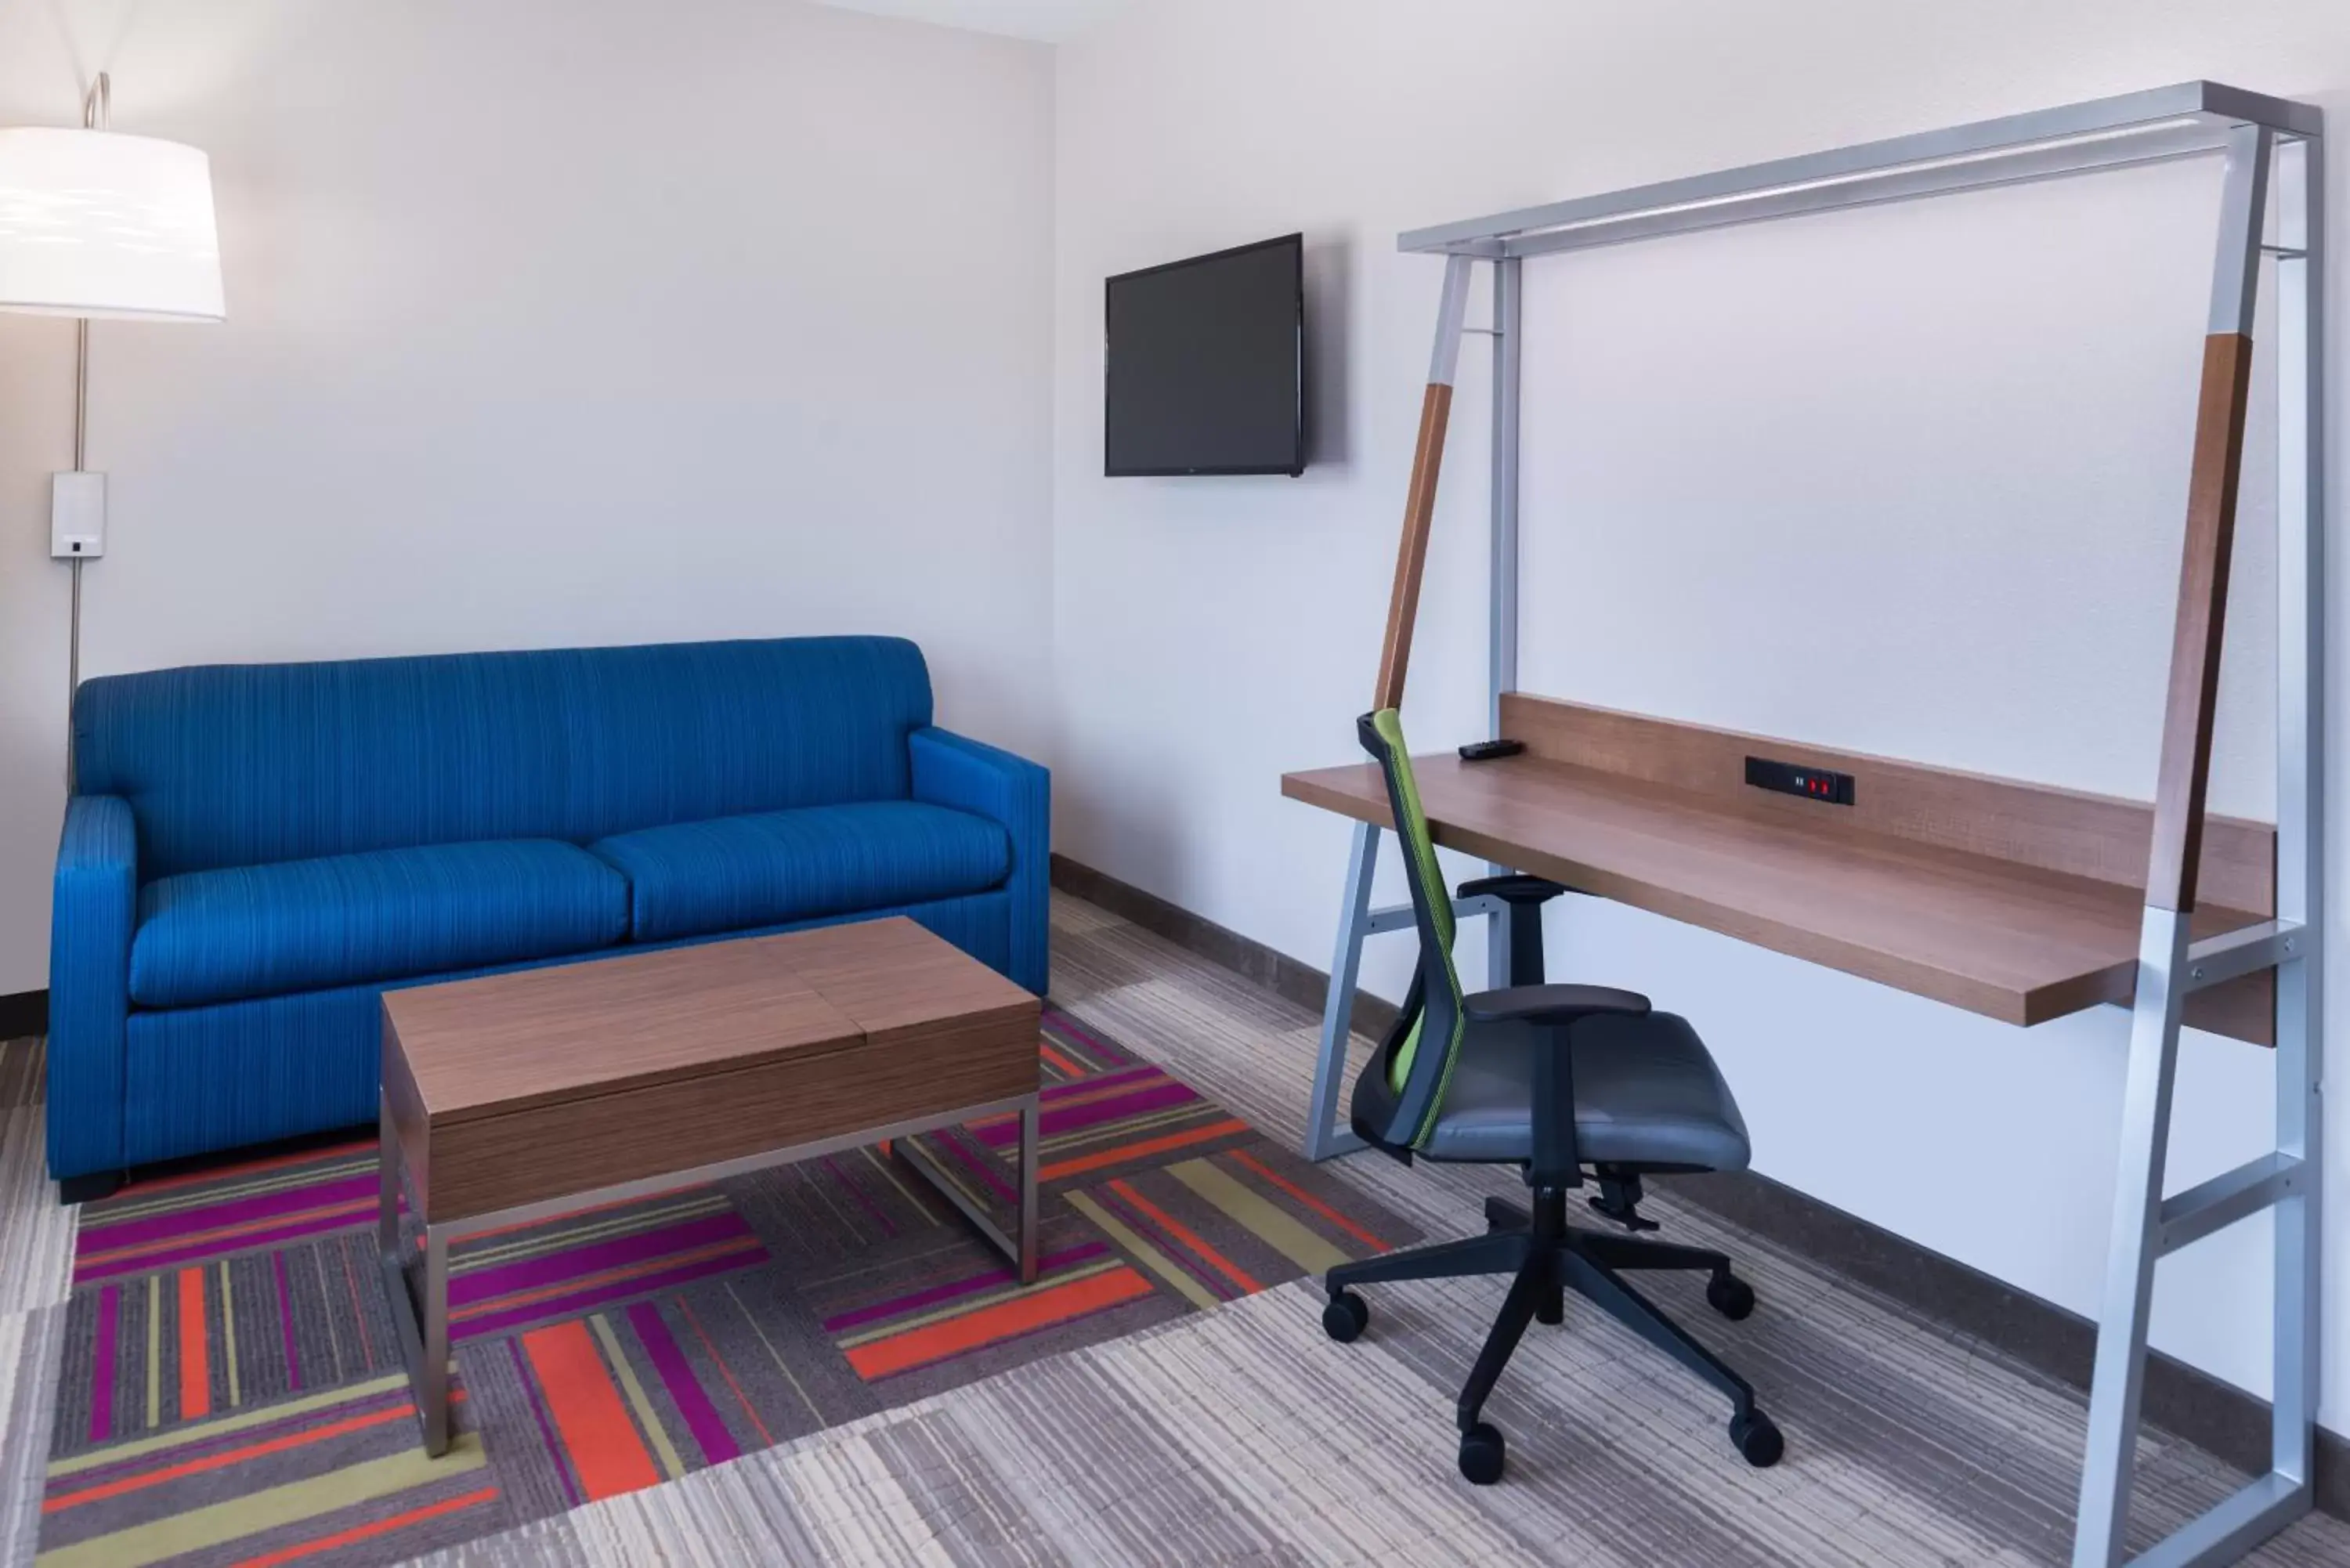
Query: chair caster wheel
<point>1756,1440</point>
<point>1731,1296</point>
<point>1346,1317</point>
<point>1481,1454</point>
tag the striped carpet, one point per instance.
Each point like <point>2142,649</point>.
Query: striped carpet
<point>230,1388</point>
<point>1241,1436</point>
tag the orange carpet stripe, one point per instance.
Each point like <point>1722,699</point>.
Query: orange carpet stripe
<point>195,1361</point>
<point>1063,1063</point>
<point>358,1532</point>
<point>252,1168</point>
<point>1190,1238</point>
<point>1021,1314</point>
<point>598,1436</point>
<point>56,1501</point>
<point>1099,1157</point>
<point>1316,1204</point>
<point>609,1276</point>
<point>228,1232</point>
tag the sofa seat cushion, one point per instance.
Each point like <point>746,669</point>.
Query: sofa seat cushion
<point>731,873</point>
<point>301,925</point>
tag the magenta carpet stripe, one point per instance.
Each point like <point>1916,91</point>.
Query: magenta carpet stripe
<point>992,1279</point>
<point>971,1162</point>
<point>573,1263</point>
<point>684,1388</point>
<point>103,1237</point>
<point>571,1305</point>
<point>277,1236</point>
<point>1052,1092</point>
<point>1117,1108</point>
<point>101,1394</point>
<point>1063,1024</point>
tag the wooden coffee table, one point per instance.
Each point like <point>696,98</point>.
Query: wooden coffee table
<point>516,1097</point>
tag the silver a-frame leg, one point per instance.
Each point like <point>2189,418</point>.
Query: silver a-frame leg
<point>2146,1225</point>
<point>1325,1137</point>
<point>1326,1133</point>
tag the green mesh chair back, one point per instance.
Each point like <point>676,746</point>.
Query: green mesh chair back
<point>1419,1053</point>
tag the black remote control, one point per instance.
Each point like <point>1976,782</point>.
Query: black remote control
<point>1486,751</point>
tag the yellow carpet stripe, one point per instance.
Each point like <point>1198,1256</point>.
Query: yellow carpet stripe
<point>220,1522</point>
<point>205,1197</point>
<point>1112,1132</point>
<point>634,1390</point>
<point>772,1353</point>
<point>228,1335</point>
<point>882,1164</point>
<point>154,1351</point>
<point>197,1432</point>
<point>1280,1231</point>
<point>1142,1251</point>
<point>974,1304</point>
<point>515,1251</point>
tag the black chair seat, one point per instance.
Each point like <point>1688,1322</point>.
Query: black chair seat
<point>1646,1093</point>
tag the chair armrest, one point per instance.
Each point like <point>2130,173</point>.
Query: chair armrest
<point>94,908</point>
<point>970,775</point>
<point>1514,888</point>
<point>1553,1005</point>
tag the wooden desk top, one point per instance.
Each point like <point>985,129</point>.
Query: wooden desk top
<point>2011,940</point>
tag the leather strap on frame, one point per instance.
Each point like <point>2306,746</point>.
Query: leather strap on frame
<point>1411,553</point>
<point>2181,783</point>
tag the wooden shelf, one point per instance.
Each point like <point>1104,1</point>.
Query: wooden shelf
<point>2011,940</point>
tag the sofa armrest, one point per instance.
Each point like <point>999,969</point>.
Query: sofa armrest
<point>94,908</point>
<point>986,780</point>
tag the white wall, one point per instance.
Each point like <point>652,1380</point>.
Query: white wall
<point>550,322</point>
<point>560,321</point>
<point>1908,480</point>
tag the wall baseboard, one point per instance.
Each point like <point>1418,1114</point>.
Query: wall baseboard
<point>2215,1416</point>
<point>24,1013</point>
<point>1276,971</point>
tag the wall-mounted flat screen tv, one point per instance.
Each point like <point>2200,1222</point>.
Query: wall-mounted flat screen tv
<point>1207,364</point>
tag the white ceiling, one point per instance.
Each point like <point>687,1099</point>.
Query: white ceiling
<point>1048,21</point>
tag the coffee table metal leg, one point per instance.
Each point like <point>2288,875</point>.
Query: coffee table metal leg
<point>1022,1251</point>
<point>1031,1115</point>
<point>425,1349</point>
<point>432,1398</point>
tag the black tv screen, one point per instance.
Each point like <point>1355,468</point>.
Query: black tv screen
<point>1207,364</point>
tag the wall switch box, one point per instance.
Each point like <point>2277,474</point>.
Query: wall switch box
<point>76,515</point>
<point>1790,778</point>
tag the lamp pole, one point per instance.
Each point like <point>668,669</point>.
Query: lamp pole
<point>96,114</point>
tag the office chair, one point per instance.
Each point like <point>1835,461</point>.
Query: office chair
<point>1553,1079</point>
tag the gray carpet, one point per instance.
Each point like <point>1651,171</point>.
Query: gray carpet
<point>1243,1436</point>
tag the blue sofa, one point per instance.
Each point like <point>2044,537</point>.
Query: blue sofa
<point>254,853</point>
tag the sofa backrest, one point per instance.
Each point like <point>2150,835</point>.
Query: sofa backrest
<point>245,764</point>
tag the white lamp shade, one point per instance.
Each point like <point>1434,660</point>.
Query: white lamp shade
<point>93,222</point>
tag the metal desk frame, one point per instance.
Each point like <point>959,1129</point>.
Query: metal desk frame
<point>2272,147</point>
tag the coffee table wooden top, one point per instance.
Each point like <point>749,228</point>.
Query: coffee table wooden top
<point>487,1047</point>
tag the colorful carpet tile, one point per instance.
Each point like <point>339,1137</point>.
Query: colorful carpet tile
<point>233,1392</point>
